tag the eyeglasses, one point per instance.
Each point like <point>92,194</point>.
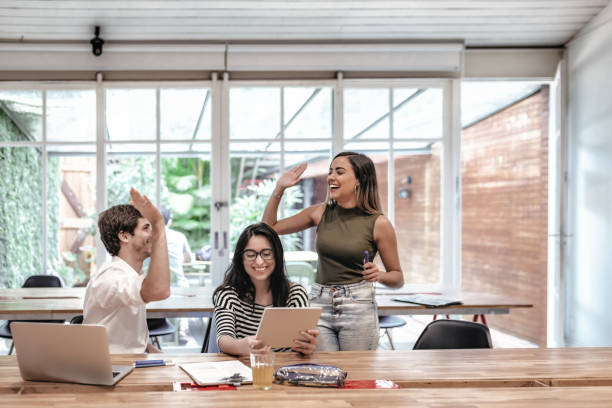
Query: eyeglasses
<point>266,254</point>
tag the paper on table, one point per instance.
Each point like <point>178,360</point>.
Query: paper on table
<point>217,372</point>
<point>429,300</point>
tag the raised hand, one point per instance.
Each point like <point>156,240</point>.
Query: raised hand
<point>145,206</point>
<point>291,177</point>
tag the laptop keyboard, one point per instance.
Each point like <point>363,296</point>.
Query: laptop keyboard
<point>116,373</point>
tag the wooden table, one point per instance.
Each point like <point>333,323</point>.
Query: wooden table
<point>571,397</point>
<point>474,303</point>
<point>484,368</point>
<point>64,303</point>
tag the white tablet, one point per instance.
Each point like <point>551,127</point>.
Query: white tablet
<point>279,326</point>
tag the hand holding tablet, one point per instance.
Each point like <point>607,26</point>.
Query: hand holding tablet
<point>307,342</point>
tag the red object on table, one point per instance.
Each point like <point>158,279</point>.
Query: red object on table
<point>195,387</point>
<point>369,384</point>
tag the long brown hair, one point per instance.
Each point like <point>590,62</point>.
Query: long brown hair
<point>365,173</point>
<point>236,276</point>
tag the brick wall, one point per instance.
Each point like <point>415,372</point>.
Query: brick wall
<point>505,212</point>
<point>417,218</point>
<point>504,168</point>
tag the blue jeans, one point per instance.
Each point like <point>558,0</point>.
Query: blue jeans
<point>349,320</point>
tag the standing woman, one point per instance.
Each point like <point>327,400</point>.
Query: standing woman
<point>256,279</point>
<point>349,223</point>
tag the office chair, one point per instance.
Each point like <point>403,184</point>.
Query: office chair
<point>209,345</point>
<point>159,327</point>
<point>387,323</point>
<point>453,334</point>
<point>34,281</point>
<point>78,319</point>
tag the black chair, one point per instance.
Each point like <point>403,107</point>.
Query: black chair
<point>453,334</point>
<point>34,281</point>
<point>209,345</point>
<point>387,323</point>
<point>78,319</point>
<point>159,327</point>
<point>43,281</point>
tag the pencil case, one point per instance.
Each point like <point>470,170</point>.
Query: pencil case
<point>313,375</point>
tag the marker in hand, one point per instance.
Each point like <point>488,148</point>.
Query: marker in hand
<point>367,256</point>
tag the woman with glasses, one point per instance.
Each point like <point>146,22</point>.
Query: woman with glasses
<point>351,230</point>
<point>256,279</point>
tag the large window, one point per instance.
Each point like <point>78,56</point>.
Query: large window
<point>170,163</point>
<point>409,174</point>
<point>504,172</point>
<point>273,129</point>
<point>210,152</point>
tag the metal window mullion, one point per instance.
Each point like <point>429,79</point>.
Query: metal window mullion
<point>220,176</point>
<point>44,178</point>
<point>20,144</point>
<point>450,193</point>
<point>157,148</point>
<point>391,166</point>
<point>101,196</point>
<point>338,115</point>
<point>282,143</point>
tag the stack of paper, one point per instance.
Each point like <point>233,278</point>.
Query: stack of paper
<point>218,372</point>
<point>429,300</point>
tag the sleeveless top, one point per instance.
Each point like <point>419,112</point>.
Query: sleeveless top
<point>343,234</point>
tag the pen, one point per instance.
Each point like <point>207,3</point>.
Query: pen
<point>367,256</point>
<point>151,363</point>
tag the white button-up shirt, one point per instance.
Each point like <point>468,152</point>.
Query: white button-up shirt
<point>113,299</point>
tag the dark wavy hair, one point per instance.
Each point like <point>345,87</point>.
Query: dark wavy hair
<point>112,221</point>
<point>367,190</point>
<point>237,278</point>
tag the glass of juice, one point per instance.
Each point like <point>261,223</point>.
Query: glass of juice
<point>262,366</point>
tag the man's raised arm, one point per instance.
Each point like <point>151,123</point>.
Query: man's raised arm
<point>156,285</point>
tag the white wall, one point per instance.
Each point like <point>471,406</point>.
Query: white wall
<point>589,217</point>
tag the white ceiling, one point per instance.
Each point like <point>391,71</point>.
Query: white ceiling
<point>477,22</point>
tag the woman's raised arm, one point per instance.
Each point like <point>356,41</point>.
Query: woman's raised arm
<point>304,219</point>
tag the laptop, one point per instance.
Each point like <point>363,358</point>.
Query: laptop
<point>76,353</point>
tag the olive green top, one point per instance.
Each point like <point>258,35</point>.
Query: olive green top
<point>343,234</point>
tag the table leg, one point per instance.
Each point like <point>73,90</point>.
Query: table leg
<point>482,317</point>
<point>206,335</point>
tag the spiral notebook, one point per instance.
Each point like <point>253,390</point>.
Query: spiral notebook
<point>429,300</point>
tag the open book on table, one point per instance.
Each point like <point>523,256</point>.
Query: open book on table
<point>429,300</point>
<point>218,372</point>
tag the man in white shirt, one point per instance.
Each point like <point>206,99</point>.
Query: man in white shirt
<point>117,294</point>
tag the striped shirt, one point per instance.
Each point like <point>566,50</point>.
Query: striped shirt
<point>238,318</point>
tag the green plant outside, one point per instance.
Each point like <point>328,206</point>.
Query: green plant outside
<point>186,191</point>
<point>21,253</point>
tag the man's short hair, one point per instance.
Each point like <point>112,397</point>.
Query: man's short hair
<point>112,221</point>
<point>166,214</point>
